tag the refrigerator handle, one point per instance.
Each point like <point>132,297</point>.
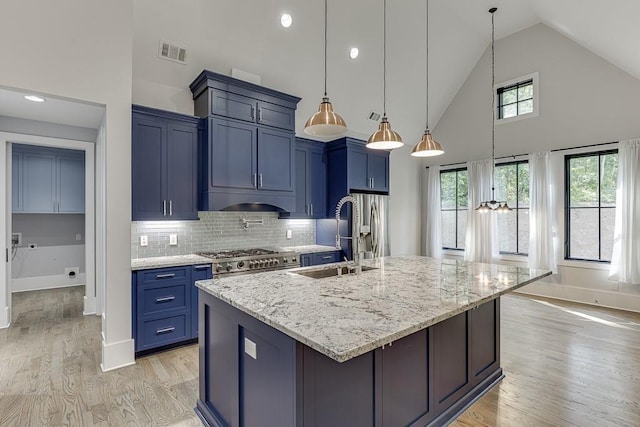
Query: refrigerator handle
<point>375,228</point>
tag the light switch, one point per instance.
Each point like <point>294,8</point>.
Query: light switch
<point>173,239</point>
<point>144,241</point>
<point>289,234</point>
<point>250,348</point>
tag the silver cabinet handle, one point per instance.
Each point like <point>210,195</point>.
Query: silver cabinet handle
<point>327,257</point>
<point>259,114</point>
<point>164,208</point>
<point>253,116</point>
<point>165,330</point>
<point>170,207</point>
<point>311,207</point>
<point>165,299</point>
<point>255,179</point>
<point>202,267</point>
<point>373,182</point>
<point>260,180</point>
<point>165,276</point>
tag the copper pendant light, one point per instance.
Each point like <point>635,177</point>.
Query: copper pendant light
<point>493,205</point>
<point>384,138</point>
<point>325,122</point>
<point>427,146</point>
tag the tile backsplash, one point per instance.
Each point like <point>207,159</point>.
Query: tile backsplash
<point>219,230</point>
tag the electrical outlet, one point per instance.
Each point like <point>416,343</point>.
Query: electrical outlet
<point>16,239</point>
<point>289,234</point>
<point>173,239</point>
<point>78,236</point>
<point>33,246</point>
<point>72,272</point>
<point>144,241</point>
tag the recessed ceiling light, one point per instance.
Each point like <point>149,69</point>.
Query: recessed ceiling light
<point>354,52</point>
<point>286,20</point>
<point>34,98</point>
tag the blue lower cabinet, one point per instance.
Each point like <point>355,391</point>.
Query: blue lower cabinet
<point>320,258</point>
<point>165,305</point>
<point>198,272</point>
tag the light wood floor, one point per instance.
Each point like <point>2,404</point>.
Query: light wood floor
<point>565,365</point>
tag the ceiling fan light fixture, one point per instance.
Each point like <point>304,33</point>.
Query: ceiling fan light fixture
<point>384,138</point>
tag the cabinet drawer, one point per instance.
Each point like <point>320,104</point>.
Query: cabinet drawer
<point>163,298</point>
<point>325,257</point>
<point>233,106</point>
<point>165,275</point>
<point>159,332</point>
<point>276,116</point>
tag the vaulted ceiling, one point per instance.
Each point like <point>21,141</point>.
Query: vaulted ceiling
<point>247,35</point>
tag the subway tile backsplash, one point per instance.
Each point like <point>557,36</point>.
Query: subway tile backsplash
<point>219,230</point>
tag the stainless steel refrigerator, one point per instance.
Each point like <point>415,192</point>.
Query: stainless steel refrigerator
<point>373,227</point>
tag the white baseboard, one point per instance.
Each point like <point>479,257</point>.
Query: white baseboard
<point>5,317</point>
<point>46,282</point>
<point>595,297</point>
<point>117,355</point>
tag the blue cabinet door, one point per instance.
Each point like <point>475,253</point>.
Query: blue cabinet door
<point>70,184</point>
<point>275,160</point>
<point>16,181</point>
<point>378,171</point>
<point>233,106</point>
<point>232,154</point>
<point>275,115</point>
<point>317,190</point>
<point>182,170</point>
<point>302,184</point>
<point>148,164</point>
<point>39,183</point>
<point>198,272</point>
<point>357,169</point>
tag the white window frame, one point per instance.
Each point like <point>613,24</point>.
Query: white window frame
<point>535,78</point>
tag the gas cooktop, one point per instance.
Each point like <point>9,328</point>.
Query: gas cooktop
<point>251,260</point>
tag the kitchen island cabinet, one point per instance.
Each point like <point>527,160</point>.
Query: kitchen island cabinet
<point>410,341</point>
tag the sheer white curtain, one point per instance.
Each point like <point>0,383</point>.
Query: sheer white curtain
<point>625,259</point>
<point>432,215</point>
<point>481,240</point>
<point>542,216</point>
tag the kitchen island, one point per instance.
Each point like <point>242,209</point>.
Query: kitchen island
<point>409,341</point>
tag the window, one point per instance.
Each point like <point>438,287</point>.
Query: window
<point>517,99</point>
<point>512,185</point>
<point>454,187</point>
<point>590,202</point>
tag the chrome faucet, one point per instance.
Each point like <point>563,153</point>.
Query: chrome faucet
<point>355,231</point>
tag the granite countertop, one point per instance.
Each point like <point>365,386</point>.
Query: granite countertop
<point>167,261</point>
<point>307,249</point>
<point>344,317</point>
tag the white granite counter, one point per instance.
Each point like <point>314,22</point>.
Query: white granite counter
<point>167,261</point>
<point>308,249</point>
<point>344,317</point>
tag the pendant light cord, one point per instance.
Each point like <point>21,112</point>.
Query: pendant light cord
<point>493,107</point>
<point>384,59</point>
<point>427,66</point>
<point>325,48</point>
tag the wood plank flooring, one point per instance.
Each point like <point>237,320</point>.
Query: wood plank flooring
<point>565,365</point>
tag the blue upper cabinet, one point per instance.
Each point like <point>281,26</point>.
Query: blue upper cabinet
<point>247,153</point>
<point>355,168</point>
<point>47,180</point>
<point>164,165</point>
<point>311,180</point>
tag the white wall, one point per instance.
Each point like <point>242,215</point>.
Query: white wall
<point>405,208</point>
<point>82,50</point>
<point>583,100</point>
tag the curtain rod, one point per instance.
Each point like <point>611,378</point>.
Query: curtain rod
<point>526,154</point>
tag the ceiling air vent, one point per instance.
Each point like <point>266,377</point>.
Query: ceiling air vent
<point>172,52</point>
<point>374,116</point>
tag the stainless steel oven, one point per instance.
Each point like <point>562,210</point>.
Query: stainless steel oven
<point>255,260</point>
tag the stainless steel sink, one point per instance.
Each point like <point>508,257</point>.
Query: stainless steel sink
<point>332,272</point>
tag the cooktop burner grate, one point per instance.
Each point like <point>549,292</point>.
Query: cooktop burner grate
<point>236,253</point>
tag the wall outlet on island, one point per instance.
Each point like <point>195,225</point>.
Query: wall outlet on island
<point>144,241</point>
<point>289,234</point>
<point>173,239</point>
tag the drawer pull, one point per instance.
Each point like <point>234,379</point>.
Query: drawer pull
<point>201,267</point>
<point>327,257</point>
<point>165,299</point>
<point>165,330</point>
<point>165,276</point>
